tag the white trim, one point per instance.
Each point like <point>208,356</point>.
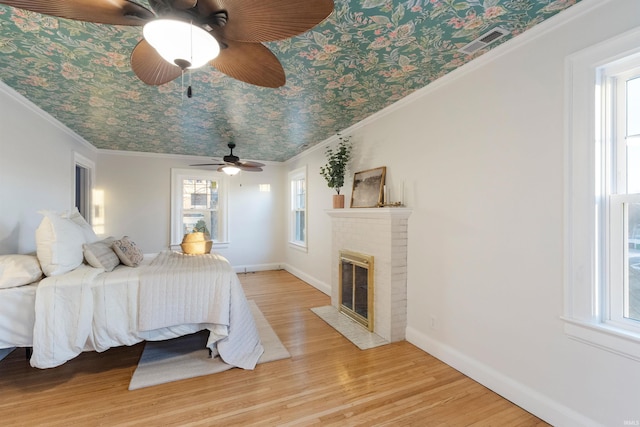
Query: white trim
<point>523,396</point>
<point>298,246</point>
<point>21,99</point>
<point>185,157</point>
<point>297,174</point>
<point>177,175</point>
<point>370,213</point>
<point>323,287</point>
<point>215,247</point>
<point>80,160</point>
<point>252,268</point>
<point>560,19</point>
<point>585,150</point>
<point>613,340</point>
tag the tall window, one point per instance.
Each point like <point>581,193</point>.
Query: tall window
<point>83,183</point>
<point>621,115</point>
<point>603,196</point>
<point>298,217</point>
<point>197,204</point>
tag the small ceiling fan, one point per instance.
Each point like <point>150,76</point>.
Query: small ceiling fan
<point>231,164</point>
<point>228,32</point>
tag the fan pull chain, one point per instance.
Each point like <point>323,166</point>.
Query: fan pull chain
<point>189,92</point>
<point>182,84</point>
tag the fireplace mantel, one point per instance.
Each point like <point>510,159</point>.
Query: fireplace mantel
<point>369,213</point>
<point>383,234</point>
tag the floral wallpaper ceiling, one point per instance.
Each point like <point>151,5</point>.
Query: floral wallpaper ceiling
<point>365,56</point>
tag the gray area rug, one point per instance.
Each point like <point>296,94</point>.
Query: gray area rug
<point>186,357</point>
<point>350,329</point>
<point>5,352</point>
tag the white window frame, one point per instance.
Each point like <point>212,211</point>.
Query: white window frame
<point>588,296</point>
<point>177,177</point>
<point>296,175</point>
<point>90,166</point>
<point>615,77</point>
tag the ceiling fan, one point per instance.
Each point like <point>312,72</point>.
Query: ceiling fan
<point>231,164</point>
<point>231,31</point>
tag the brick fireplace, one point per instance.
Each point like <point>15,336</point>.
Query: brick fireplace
<point>382,234</point>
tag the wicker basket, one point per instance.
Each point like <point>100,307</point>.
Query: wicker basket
<point>196,244</point>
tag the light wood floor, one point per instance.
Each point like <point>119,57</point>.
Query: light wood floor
<point>327,381</point>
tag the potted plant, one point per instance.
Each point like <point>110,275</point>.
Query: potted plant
<point>333,172</point>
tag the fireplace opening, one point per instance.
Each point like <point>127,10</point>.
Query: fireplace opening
<point>356,287</point>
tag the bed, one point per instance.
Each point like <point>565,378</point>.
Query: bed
<point>17,316</point>
<point>97,307</point>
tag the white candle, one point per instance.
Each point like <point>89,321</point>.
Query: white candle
<point>402,200</point>
<point>384,194</point>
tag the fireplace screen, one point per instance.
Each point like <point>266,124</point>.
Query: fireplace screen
<point>356,287</point>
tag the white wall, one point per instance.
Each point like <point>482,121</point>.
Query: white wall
<point>37,172</point>
<point>481,155</point>
<point>137,191</point>
<point>314,264</point>
<point>36,169</point>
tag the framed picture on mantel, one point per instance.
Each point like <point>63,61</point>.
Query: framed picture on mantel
<point>368,188</point>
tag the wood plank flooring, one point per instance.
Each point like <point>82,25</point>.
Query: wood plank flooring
<point>327,381</point>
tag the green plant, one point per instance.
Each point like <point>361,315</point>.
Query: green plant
<point>336,167</point>
<point>201,227</point>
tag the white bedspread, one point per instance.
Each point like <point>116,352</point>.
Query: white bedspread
<point>104,310</point>
<point>64,310</point>
<point>176,289</point>
<point>17,316</point>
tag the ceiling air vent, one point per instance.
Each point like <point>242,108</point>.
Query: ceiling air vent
<point>484,40</point>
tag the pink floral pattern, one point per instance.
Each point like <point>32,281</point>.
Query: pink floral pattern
<point>365,56</point>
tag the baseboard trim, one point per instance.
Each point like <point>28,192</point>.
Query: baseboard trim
<point>318,284</point>
<point>536,403</point>
<point>250,268</point>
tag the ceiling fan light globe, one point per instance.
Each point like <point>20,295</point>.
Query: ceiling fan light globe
<point>230,170</point>
<point>180,42</point>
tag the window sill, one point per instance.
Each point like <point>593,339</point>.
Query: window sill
<point>614,340</point>
<point>298,246</point>
<point>216,245</point>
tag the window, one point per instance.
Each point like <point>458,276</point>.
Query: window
<point>198,204</point>
<point>602,290</point>
<point>298,218</point>
<point>83,183</point>
<point>622,98</point>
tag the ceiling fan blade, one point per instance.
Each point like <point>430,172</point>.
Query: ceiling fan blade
<point>267,20</point>
<point>249,169</point>
<point>209,164</point>
<point>168,7</point>
<point>251,63</point>
<point>249,164</point>
<point>114,12</point>
<point>184,4</point>
<point>222,169</point>
<point>150,67</point>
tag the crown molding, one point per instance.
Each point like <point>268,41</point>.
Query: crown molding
<point>22,100</point>
<point>187,157</point>
<point>574,12</point>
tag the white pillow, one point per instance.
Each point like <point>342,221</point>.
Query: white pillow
<point>18,270</point>
<point>58,244</point>
<point>87,230</point>
<point>100,255</point>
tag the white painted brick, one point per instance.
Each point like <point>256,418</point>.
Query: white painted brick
<point>386,239</point>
